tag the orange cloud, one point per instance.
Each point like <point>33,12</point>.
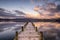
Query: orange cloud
<point>44,16</point>
<point>57,15</point>
<point>48,12</point>
<point>51,9</point>
<point>36,8</point>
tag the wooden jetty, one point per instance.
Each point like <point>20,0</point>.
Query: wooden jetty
<point>29,32</point>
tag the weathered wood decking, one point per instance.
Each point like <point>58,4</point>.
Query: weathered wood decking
<point>29,33</point>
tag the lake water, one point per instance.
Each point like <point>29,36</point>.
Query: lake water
<point>8,29</point>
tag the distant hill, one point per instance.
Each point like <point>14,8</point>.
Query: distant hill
<point>31,20</point>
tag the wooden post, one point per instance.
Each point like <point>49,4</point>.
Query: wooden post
<point>41,35</point>
<point>16,36</point>
<point>36,28</point>
<point>22,28</point>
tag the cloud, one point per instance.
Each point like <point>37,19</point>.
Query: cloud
<point>50,10</point>
<point>4,12</point>
<point>53,8</point>
<point>58,8</point>
<point>11,14</point>
<point>19,12</point>
<point>1,9</point>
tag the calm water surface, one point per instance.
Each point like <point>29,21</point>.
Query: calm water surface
<point>8,29</point>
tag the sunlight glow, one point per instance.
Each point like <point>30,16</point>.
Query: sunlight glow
<point>31,15</point>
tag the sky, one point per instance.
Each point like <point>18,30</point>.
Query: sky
<point>36,8</point>
<point>24,5</point>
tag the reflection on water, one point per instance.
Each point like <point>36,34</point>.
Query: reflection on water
<point>7,29</point>
<point>47,24</point>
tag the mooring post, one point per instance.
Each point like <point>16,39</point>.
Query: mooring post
<point>36,28</point>
<point>41,35</point>
<point>16,36</point>
<point>22,28</point>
